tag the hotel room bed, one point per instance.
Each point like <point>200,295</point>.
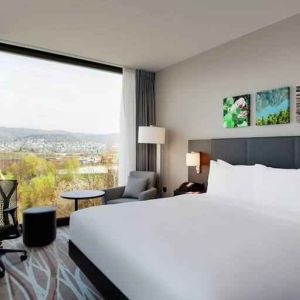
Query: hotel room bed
<point>192,247</point>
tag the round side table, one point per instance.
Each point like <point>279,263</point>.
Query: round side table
<point>82,195</point>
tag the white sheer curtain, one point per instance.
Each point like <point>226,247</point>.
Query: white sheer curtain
<point>127,156</point>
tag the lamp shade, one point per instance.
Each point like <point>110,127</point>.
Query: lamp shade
<point>193,159</point>
<point>151,135</point>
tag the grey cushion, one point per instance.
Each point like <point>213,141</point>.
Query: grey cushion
<point>121,200</point>
<point>134,187</point>
<point>150,176</point>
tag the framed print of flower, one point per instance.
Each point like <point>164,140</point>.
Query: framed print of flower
<point>236,111</point>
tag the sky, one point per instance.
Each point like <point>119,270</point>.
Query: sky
<point>42,94</point>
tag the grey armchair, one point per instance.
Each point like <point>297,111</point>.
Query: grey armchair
<point>115,195</point>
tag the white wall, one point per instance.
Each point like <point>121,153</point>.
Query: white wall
<point>189,95</point>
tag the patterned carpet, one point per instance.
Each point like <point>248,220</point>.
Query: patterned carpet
<point>48,273</point>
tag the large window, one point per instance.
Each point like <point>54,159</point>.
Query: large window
<point>59,126</point>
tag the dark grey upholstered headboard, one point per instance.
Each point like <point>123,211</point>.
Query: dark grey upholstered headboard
<point>276,152</point>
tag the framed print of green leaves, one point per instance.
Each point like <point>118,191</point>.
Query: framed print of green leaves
<point>236,111</point>
<point>273,107</point>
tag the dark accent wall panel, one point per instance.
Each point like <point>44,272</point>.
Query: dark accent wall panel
<point>233,151</point>
<point>276,152</point>
<point>297,152</point>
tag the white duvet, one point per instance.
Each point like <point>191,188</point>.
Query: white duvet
<point>192,247</point>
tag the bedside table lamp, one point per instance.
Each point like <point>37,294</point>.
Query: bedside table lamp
<point>153,135</point>
<point>193,160</point>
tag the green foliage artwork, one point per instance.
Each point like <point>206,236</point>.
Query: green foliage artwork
<point>236,111</point>
<point>273,107</point>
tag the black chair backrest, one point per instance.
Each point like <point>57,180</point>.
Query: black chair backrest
<point>8,199</point>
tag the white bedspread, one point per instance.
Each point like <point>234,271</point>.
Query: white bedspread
<point>191,247</point>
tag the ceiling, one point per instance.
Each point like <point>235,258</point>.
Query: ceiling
<point>147,34</point>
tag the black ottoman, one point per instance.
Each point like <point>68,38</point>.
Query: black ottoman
<point>39,226</point>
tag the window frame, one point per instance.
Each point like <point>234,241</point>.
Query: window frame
<point>61,58</point>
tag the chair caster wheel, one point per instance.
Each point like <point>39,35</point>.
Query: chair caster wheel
<point>23,257</point>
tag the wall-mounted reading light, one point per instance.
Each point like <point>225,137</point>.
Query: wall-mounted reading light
<point>193,160</point>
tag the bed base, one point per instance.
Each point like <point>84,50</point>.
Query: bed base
<point>106,288</point>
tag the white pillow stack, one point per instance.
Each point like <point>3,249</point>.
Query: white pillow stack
<point>273,184</point>
<point>270,189</point>
<point>230,181</point>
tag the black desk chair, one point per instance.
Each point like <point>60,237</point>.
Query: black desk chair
<point>9,227</point>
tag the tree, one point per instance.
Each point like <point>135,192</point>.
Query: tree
<point>70,168</point>
<point>31,166</point>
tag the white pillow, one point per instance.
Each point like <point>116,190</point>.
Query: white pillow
<point>234,182</point>
<point>273,184</point>
<point>268,190</point>
<point>276,192</point>
<point>216,179</point>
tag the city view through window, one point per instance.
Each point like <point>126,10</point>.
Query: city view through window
<point>59,129</point>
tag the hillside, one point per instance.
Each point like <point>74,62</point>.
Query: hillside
<point>8,134</point>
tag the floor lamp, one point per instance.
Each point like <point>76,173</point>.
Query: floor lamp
<point>153,135</point>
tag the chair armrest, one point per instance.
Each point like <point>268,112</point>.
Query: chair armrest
<point>9,210</point>
<point>114,193</point>
<point>148,194</point>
